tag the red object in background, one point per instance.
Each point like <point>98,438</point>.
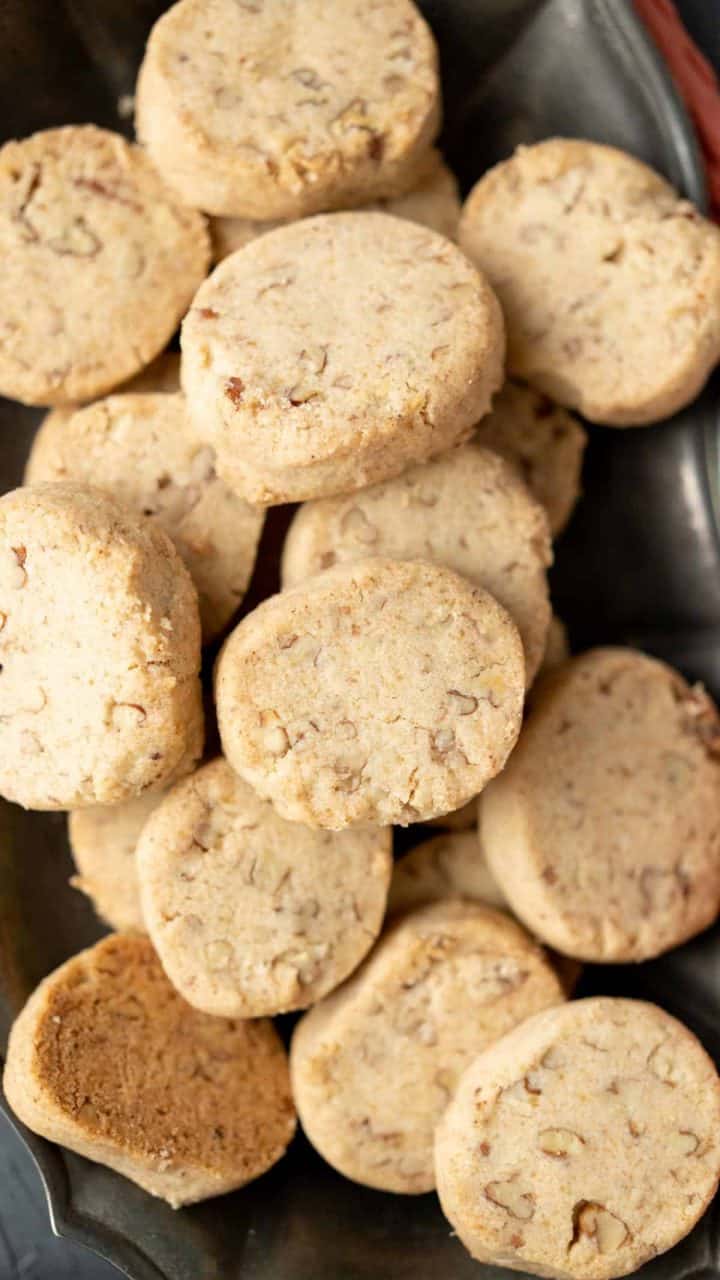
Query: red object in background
<point>695,80</point>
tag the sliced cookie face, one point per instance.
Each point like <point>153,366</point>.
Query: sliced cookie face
<point>103,840</point>
<point>447,866</point>
<point>100,263</point>
<point>545,442</point>
<point>433,202</point>
<point>374,1065</point>
<point>379,692</point>
<point>583,1143</point>
<point>604,829</point>
<point>373,344</point>
<point>467,509</point>
<point>100,651</point>
<point>140,446</point>
<point>610,283</point>
<point>328,109</point>
<point>108,1060</point>
<point>251,914</point>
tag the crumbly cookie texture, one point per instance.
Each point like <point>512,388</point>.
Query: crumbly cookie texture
<point>604,829</point>
<point>442,984</point>
<point>583,1143</point>
<point>320,110</point>
<point>336,351</point>
<point>451,865</point>
<point>100,651</point>
<point>545,442</point>
<point>609,281</point>
<point>100,264</point>
<point>467,509</point>
<point>103,840</point>
<point>433,202</point>
<point>140,446</point>
<point>108,1060</point>
<point>379,692</point>
<point>250,914</point>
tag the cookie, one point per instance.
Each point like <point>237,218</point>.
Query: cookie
<point>609,281</point>
<point>583,1143</point>
<point>467,509</point>
<point>604,829</point>
<point>99,651</point>
<point>329,109</point>
<point>162,375</point>
<point>140,446</point>
<point>375,1064</point>
<point>103,840</point>
<point>434,202</point>
<point>336,351</point>
<point>546,444</point>
<point>447,866</point>
<point>100,263</point>
<point>379,692</point>
<point>108,1060</point>
<point>250,914</point>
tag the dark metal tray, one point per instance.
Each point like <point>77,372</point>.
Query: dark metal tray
<point>640,562</point>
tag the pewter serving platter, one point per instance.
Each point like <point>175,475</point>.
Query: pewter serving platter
<point>640,564</point>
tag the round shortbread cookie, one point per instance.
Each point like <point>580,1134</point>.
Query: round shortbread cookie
<point>99,651</point>
<point>375,1064</point>
<point>583,1143</point>
<point>434,202</point>
<point>545,442</point>
<point>100,264</point>
<point>141,448</point>
<point>379,692</point>
<point>446,866</point>
<point>336,351</point>
<point>604,829</point>
<point>103,840</point>
<point>324,108</point>
<point>108,1060</point>
<point>251,914</point>
<point>610,283</point>
<point>467,509</point>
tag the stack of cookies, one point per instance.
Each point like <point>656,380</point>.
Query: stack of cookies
<point>350,352</point>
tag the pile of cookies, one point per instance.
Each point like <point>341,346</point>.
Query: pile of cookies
<point>350,351</point>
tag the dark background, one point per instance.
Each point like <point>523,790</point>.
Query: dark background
<point>28,1250</point>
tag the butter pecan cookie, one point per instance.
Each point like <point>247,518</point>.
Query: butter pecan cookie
<point>336,351</point>
<point>609,281</point>
<point>99,264</point>
<point>378,692</point>
<point>103,840</point>
<point>273,109</point>
<point>99,651</point>
<point>108,1060</point>
<point>583,1143</point>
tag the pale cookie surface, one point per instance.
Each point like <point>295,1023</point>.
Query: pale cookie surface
<point>99,651</point>
<point>103,840</point>
<point>100,263</point>
<point>433,202</point>
<point>375,1064</point>
<point>337,351</point>
<point>582,1144</point>
<point>467,509</point>
<point>162,375</point>
<point>140,447</point>
<point>447,866</point>
<point>610,283</point>
<point>108,1060</point>
<point>251,914</point>
<point>545,442</point>
<point>604,829</point>
<point>329,105</point>
<point>379,692</point>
